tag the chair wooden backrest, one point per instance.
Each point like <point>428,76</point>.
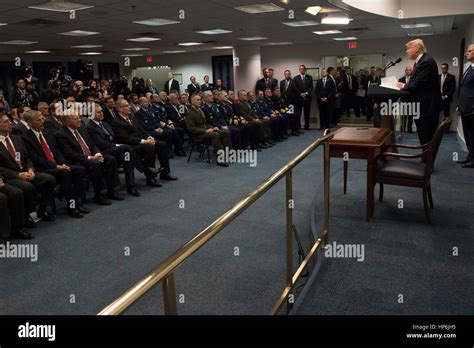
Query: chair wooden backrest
<point>433,147</point>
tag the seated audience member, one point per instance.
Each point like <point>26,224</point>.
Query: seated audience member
<point>282,117</point>
<point>77,147</point>
<point>176,112</point>
<point>200,130</point>
<point>262,129</point>
<point>184,101</point>
<point>267,126</point>
<point>53,93</point>
<point>6,106</point>
<point>34,96</point>
<point>77,91</point>
<point>19,171</point>
<point>219,86</point>
<point>109,110</point>
<point>281,104</point>
<point>134,103</point>
<point>54,122</point>
<point>226,111</point>
<point>21,96</point>
<point>12,210</point>
<point>149,88</point>
<point>103,137</point>
<point>128,131</point>
<point>48,159</point>
<point>20,128</point>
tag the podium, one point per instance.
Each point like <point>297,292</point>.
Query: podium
<point>384,94</point>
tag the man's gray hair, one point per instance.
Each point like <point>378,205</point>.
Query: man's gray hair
<point>418,43</point>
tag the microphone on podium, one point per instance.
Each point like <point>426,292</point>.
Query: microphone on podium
<point>392,64</point>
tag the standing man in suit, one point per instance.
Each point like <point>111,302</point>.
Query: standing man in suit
<point>350,87</point>
<point>447,82</point>
<point>171,84</point>
<point>326,94</point>
<point>288,93</point>
<point>303,86</point>
<point>407,121</point>
<point>466,107</point>
<point>103,137</point>
<point>77,147</point>
<point>266,82</point>
<point>128,131</point>
<point>48,159</point>
<point>193,87</point>
<point>20,172</point>
<point>206,86</point>
<point>423,89</point>
<point>150,88</point>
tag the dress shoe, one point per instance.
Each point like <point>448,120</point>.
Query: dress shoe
<point>152,171</point>
<point>115,196</point>
<point>168,177</point>
<point>101,200</point>
<point>220,164</point>
<point>262,145</point>
<point>75,213</point>
<point>133,192</point>
<point>180,153</point>
<point>463,162</point>
<point>20,233</point>
<point>83,210</point>
<point>469,165</point>
<point>295,134</point>
<point>153,183</point>
<point>45,216</point>
<point>30,223</point>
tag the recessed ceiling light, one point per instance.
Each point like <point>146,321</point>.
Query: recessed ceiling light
<point>190,44</point>
<point>60,6</point>
<point>2,24</point>
<point>415,25</point>
<point>335,19</point>
<point>327,32</point>
<point>144,39</point>
<point>214,32</point>
<point>279,43</point>
<point>223,48</point>
<point>420,34</point>
<point>172,52</point>
<point>136,49</point>
<point>254,38</point>
<point>344,38</point>
<point>87,46</point>
<point>132,55</point>
<point>79,33</point>
<point>313,10</point>
<point>18,42</point>
<point>300,23</point>
<point>90,54</point>
<point>156,21</point>
<point>38,51</point>
<point>260,8</point>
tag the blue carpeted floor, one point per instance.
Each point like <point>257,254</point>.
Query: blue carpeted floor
<point>403,255</point>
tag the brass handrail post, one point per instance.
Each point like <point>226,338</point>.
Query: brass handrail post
<point>169,295</point>
<point>327,167</point>
<point>289,233</point>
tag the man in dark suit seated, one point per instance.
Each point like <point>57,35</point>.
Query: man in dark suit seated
<point>128,131</point>
<point>109,110</point>
<point>326,94</point>
<point>53,122</point>
<point>466,107</point>
<point>21,127</point>
<point>424,89</point>
<point>103,137</point>
<point>447,82</point>
<point>48,159</point>
<point>176,112</point>
<point>77,147</point>
<point>407,124</point>
<point>12,210</point>
<point>15,158</point>
<point>200,130</point>
<point>265,114</point>
<point>171,85</point>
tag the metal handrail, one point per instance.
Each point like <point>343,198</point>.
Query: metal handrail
<point>164,271</point>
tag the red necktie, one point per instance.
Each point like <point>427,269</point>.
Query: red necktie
<point>81,142</point>
<point>12,151</point>
<point>46,150</point>
<point>414,66</point>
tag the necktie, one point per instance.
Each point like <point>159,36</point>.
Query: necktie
<point>81,142</point>
<point>46,150</point>
<point>113,114</point>
<point>106,131</point>
<point>324,83</point>
<point>287,84</point>
<point>12,152</point>
<point>467,71</point>
<point>407,80</point>
<point>414,66</point>
<point>443,78</point>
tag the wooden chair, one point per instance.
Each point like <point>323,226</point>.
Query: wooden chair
<point>395,169</point>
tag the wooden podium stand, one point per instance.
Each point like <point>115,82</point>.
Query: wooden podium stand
<point>383,94</point>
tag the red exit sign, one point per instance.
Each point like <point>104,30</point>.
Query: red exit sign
<point>149,59</point>
<point>352,45</point>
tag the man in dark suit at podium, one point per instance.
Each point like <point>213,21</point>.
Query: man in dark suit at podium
<point>466,107</point>
<point>407,125</point>
<point>303,87</point>
<point>423,89</point>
